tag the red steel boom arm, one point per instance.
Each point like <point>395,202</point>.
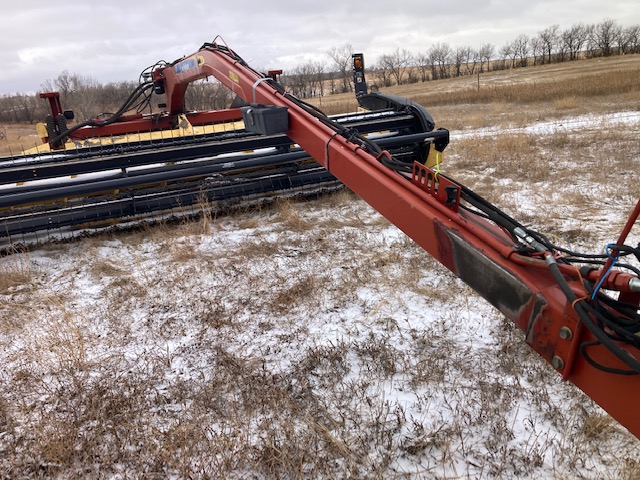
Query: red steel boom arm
<point>527,285</point>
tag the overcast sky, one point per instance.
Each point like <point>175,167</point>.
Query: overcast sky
<point>113,40</point>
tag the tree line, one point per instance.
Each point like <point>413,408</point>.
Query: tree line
<point>441,60</point>
<point>90,98</point>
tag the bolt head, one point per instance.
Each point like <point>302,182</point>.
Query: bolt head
<point>557,362</point>
<point>565,333</point>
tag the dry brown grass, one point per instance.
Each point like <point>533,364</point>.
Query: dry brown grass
<point>228,346</point>
<point>547,90</point>
<point>459,102</point>
<point>16,272</point>
<point>289,215</point>
<point>570,102</point>
<point>599,85</point>
<point>18,137</point>
<point>88,401</point>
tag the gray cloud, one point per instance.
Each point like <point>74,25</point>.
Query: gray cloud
<point>114,41</point>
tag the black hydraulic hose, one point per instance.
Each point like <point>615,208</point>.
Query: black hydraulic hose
<point>139,90</point>
<point>584,311</point>
<point>491,212</point>
<point>587,261</point>
<point>628,309</point>
<point>350,135</point>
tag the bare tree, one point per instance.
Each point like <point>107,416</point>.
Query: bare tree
<point>412,75</point>
<point>460,57</point>
<point>342,58</point>
<point>397,63</point>
<point>574,38</point>
<point>549,39</point>
<point>86,96</point>
<point>307,80</point>
<point>385,70</point>
<point>112,95</point>
<point>562,50</point>
<point>296,81</point>
<point>422,62</point>
<point>66,84</point>
<point>485,54</point>
<point>317,78</point>
<point>521,49</point>
<point>591,46</point>
<point>207,94</point>
<point>605,35</point>
<point>537,50</point>
<point>440,56</point>
<point>632,35</point>
<point>404,60</point>
<point>21,108</point>
<point>507,55</point>
<point>9,112</point>
<point>470,59</point>
<point>195,97</point>
<point>28,105</point>
<point>432,60</point>
<point>77,92</point>
<point>627,39</point>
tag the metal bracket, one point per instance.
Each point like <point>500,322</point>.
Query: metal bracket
<point>439,187</point>
<point>255,84</point>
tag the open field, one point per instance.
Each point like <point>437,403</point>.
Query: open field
<point>549,92</point>
<point>556,90</point>
<point>14,138</point>
<point>313,339</point>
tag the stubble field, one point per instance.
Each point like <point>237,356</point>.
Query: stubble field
<point>312,339</point>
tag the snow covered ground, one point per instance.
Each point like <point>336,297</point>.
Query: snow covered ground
<point>305,340</point>
<point>572,124</point>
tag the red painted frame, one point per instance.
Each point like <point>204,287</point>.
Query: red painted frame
<point>426,208</point>
<point>137,123</point>
<point>472,248</point>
